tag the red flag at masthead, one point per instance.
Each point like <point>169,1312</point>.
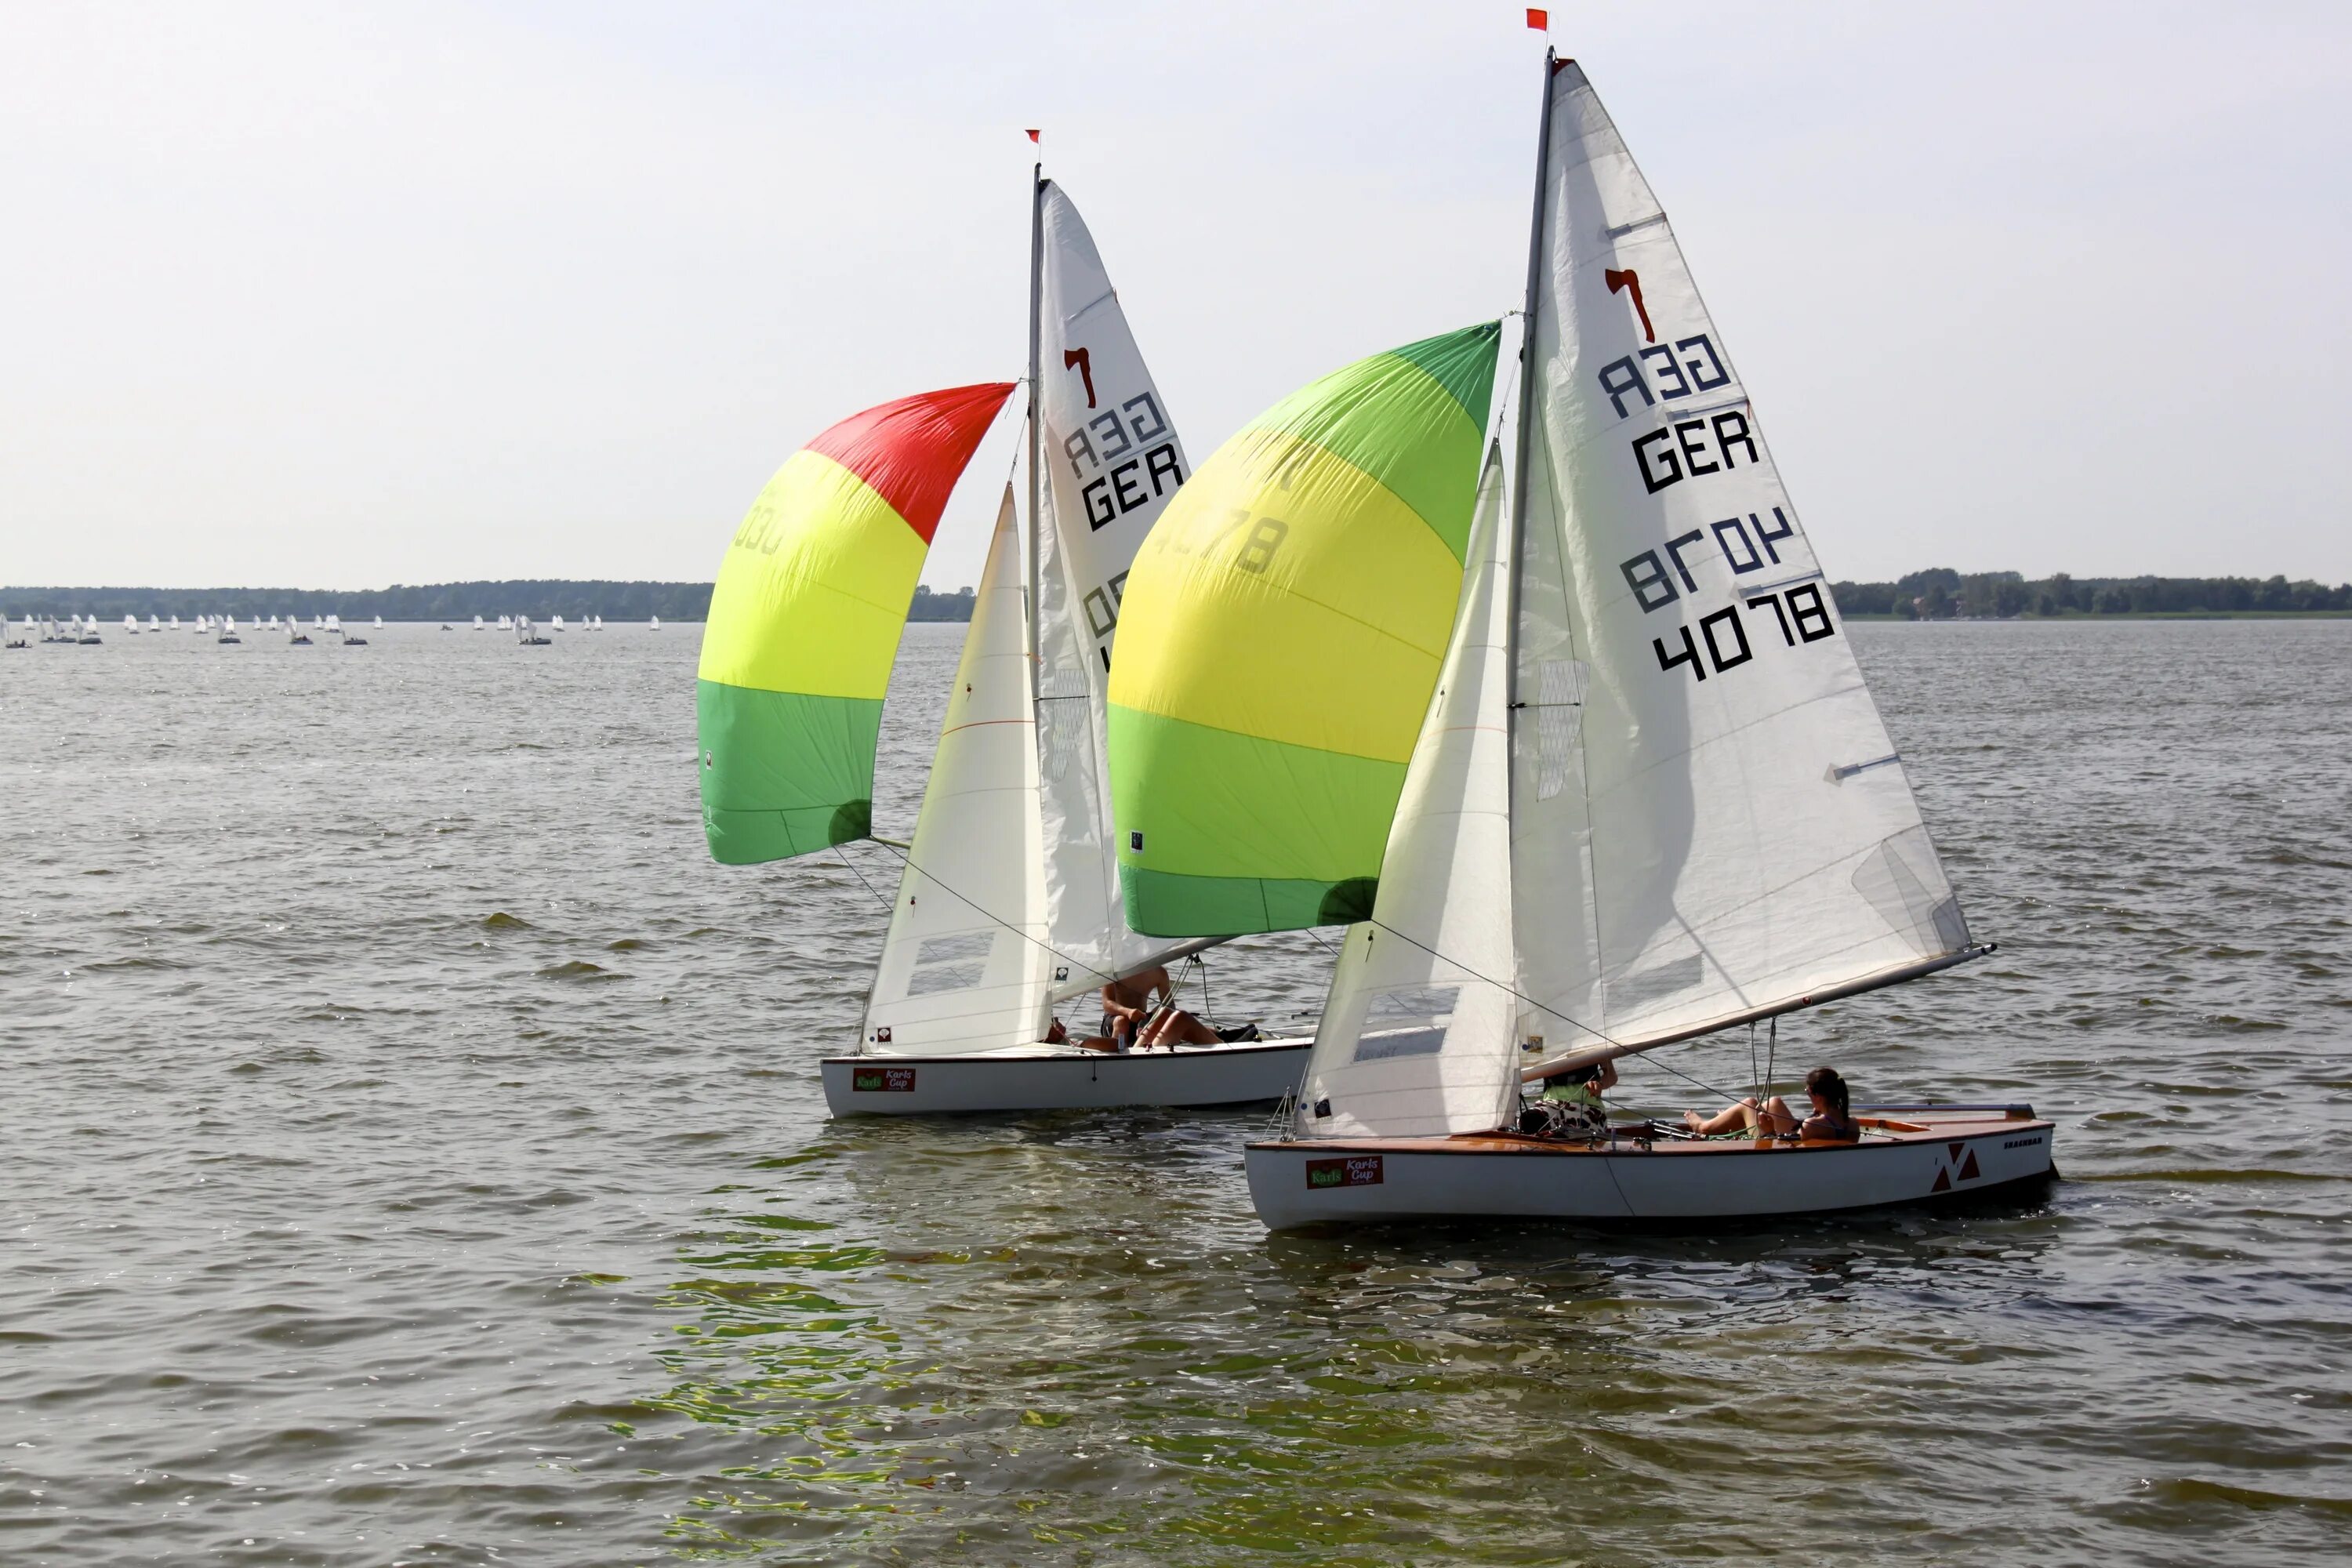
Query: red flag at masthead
<point>1539,20</point>
<point>1033,135</point>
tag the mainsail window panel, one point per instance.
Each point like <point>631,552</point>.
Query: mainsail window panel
<point>948,949</point>
<point>945,977</point>
<point>1392,1043</point>
<point>1911,899</point>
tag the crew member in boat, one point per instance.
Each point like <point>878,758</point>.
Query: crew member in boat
<point>1570,1101</point>
<point>1056,1035</point>
<point>1131,1017</point>
<point>1831,1120</point>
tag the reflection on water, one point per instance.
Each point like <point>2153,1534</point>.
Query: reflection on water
<point>417,1155</point>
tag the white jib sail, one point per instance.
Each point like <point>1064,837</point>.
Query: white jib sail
<point>1112,462</point>
<point>1417,1036</point>
<point>965,966</point>
<point>1710,820</point>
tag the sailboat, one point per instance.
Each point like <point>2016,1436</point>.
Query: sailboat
<point>526,635</point>
<point>89,637</point>
<point>154,623</point>
<point>1007,904</point>
<point>228,631</point>
<point>654,625</point>
<point>294,637</point>
<point>556,622</point>
<point>477,623</point>
<point>1651,801</point>
<point>379,622</point>
<point>175,623</point>
<point>130,624</point>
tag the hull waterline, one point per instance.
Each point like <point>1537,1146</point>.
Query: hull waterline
<point>1062,1079</point>
<point>1925,1155</point>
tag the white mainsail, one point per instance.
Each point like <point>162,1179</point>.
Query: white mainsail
<point>1707,821</point>
<point>1728,809</point>
<point>965,966</point>
<point>1111,463</point>
<point>1421,992</point>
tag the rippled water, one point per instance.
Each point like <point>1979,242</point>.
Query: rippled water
<point>415,1153</point>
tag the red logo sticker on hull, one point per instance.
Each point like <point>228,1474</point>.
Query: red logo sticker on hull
<point>882,1080</point>
<point>1355,1171</point>
<point>1960,1164</point>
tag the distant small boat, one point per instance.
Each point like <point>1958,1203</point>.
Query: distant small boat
<point>656,626</point>
<point>557,622</point>
<point>477,624</point>
<point>152,623</point>
<point>131,625</point>
<point>525,635</point>
<point>335,625</point>
<point>379,623</point>
<point>88,633</point>
<point>175,623</point>
<point>446,626</point>
<point>228,630</point>
<point>294,635</point>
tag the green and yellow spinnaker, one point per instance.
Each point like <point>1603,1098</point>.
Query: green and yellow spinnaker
<point>805,617</point>
<point>1279,638</point>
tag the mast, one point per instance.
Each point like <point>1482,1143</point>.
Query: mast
<point>1037,439</point>
<point>1526,423</point>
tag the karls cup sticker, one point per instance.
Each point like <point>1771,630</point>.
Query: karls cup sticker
<point>1355,1171</point>
<point>882,1080</point>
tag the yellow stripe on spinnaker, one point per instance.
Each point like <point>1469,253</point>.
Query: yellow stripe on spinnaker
<point>1269,577</point>
<point>814,591</point>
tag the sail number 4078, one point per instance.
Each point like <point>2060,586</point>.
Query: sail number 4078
<point>1750,544</point>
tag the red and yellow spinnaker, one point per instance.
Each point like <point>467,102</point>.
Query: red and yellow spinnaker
<point>805,617</point>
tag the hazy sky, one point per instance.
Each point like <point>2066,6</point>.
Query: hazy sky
<point>340,295</point>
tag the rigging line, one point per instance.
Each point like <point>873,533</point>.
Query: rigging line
<point>1514,992</point>
<point>998,919</point>
<point>862,882</point>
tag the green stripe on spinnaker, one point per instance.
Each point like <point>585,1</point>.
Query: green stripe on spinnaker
<point>1254,859</point>
<point>807,760</point>
<point>1412,419</point>
<point>1463,362</point>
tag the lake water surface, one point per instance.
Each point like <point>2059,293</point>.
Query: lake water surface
<point>415,1153</point>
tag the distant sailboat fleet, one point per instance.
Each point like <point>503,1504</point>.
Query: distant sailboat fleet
<point>80,630</point>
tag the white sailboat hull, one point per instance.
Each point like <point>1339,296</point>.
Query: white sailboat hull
<point>1062,1079</point>
<point>1937,1156</point>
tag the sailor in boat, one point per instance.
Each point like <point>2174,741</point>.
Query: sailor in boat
<point>1570,1104</point>
<point>1130,1019</point>
<point>1831,1120</point>
<point>1058,1035</point>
